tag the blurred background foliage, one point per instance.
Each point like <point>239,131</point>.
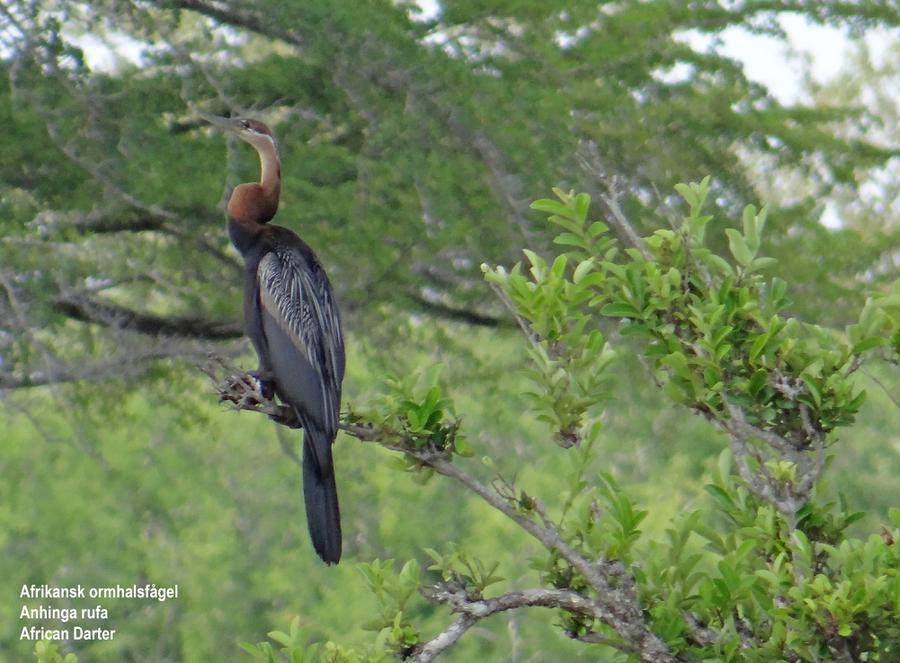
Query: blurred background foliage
<point>410,149</point>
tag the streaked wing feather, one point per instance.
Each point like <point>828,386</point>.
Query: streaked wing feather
<point>296,293</point>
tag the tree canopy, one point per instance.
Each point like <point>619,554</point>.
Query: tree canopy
<point>415,144</point>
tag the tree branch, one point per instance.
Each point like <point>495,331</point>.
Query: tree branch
<point>447,312</point>
<point>101,221</point>
<point>444,640</point>
<point>248,20</point>
<point>86,309</point>
<point>474,610</point>
<point>123,365</point>
<point>591,162</point>
<point>524,325</point>
<point>615,602</point>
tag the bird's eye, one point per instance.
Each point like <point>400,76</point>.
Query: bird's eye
<point>245,124</point>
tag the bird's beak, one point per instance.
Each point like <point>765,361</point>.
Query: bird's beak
<point>229,123</point>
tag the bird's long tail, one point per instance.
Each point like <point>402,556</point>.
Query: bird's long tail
<point>320,493</point>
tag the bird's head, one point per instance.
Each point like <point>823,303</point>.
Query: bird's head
<point>254,202</point>
<point>251,131</point>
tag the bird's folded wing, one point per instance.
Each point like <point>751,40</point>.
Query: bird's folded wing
<point>295,297</point>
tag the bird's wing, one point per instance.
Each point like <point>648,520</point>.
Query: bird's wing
<point>303,331</point>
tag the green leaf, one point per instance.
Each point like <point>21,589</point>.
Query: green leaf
<point>894,515</point>
<point>559,266</point>
<point>803,547</point>
<point>550,206</point>
<point>584,267</point>
<point>757,381</point>
<point>678,363</point>
<point>280,637</point>
<point>582,203</point>
<point>635,329</point>
<point>761,220</point>
<point>813,388</point>
<point>749,221</point>
<point>720,263</point>
<point>868,344</point>
<point>738,247</point>
<point>597,228</point>
<point>687,193</point>
<point>760,264</point>
<point>779,286</point>
<point>724,499</point>
<point>462,448</point>
<point>592,279</point>
<point>724,464</point>
<point>758,346</point>
<point>569,239</point>
<point>620,310</point>
<point>534,258</point>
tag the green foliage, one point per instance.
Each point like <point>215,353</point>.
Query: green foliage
<point>416,405</point>
<point>414,412</point>
<point>462,570</point>
<point>110,177</point>
<point>768,583</point>
<point>392,591</point>
<point>712,328</point>
<point>568,358</point>
<point>48,652</point>
<point>753,578</point>
<point>396,636</point>
<point>293,649</point>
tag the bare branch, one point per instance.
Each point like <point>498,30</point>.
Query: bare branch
<point>891,394</point>
<point>589,157</point>
<point>762,487</point>
<point>18,313</point>
<point>81,307</point>
<point>115,219</point>
<point>445,639</point>
<point>244,19</point>
<point>124,365</point>
<point>697,632</point>
<point>244,390</point>
<point>507,185</point>
<point>100,221</point>
<point>615,605</point>
<point>594,638</point>
<point>524,325</point>
<point>474,610</point>
<point>468,316</point>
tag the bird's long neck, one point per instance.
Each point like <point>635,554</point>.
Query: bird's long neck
<point>270,172</point>
<point>253,204</point>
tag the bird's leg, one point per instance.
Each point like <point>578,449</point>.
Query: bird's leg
<point>263,378</point>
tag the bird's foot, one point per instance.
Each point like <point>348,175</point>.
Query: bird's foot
<point>264,383</point>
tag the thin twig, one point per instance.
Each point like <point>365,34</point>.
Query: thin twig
<point>591,162</point>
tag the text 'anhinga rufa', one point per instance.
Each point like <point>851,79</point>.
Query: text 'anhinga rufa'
<point>293,322</point>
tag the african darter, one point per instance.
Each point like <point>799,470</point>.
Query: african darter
<point>293,322</point>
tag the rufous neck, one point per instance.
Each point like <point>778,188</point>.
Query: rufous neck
<point>269,170</point>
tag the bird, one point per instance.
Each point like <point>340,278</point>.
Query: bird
<point>293,322</point>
